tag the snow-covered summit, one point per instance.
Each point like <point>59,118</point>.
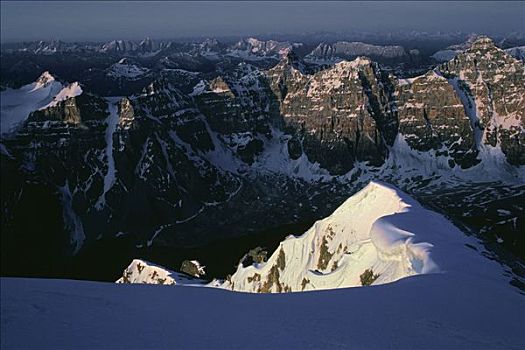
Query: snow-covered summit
<point>44,79</point>
<point>355,63</point>
<point>17,104</point>
<point>463,301</point>
<point>377,236</point>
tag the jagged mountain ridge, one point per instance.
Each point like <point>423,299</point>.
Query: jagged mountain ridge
<point>331,53</point>
<point>196,148</point>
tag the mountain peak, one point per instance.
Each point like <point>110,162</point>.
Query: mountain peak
<point>72,90</point>
<point>290,58</point>
<point>324,257</point>
<point>45,78</point>
<point>483,42</point>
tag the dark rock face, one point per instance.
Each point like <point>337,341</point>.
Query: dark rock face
<point>495,82</point>
<point>73,110</point>
<point>343,114</point>
<point>61,149</point>
<point>432,117</point>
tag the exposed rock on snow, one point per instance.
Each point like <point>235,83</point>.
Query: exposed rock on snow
<point>192,268</point>
<point>143,272</point>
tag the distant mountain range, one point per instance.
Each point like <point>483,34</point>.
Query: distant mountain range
<point>148,145</point>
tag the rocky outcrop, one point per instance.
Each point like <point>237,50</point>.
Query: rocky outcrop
<point>126,114</point>
<point>145,272</point>
<point>192,268</point>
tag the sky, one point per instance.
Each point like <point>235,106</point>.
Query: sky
<point>107,20</point>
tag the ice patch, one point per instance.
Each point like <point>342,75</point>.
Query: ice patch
<point>110,177</point>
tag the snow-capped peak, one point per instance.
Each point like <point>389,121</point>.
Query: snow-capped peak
<point>44,79</point>
<point>377,236</point>
<point>17,104</point>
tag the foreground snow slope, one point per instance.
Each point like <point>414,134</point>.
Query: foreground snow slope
<point>438,311</point>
